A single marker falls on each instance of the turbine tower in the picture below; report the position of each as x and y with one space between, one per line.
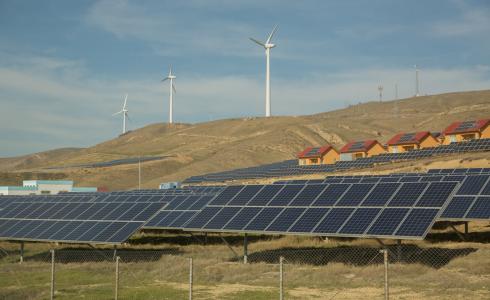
417 92
171 77
267 46
124 111
380 89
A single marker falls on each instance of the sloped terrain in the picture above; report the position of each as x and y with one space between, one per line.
234 143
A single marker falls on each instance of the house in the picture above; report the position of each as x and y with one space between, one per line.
44 187
318 155
467 130
404 142
360 149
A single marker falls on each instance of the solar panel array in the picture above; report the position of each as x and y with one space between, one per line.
407 137
291 167
109 218
466 125
75 222
381 210
312 151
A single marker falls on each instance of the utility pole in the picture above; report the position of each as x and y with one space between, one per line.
139 173
380 89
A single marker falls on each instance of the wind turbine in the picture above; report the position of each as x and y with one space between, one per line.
124 111
171 77
267 46
417 92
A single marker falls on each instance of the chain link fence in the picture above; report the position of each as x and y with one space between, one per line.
172 266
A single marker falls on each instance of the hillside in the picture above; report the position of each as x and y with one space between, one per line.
233 143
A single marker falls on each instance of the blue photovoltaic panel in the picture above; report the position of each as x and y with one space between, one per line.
480 209
242 218
203 217
307 195
388 221
355 195
265 195
245 195
408 194
226 195
417 222
472 185
285 219
331 194
334 220
286 195
380 195
436 194
360 220
222 217
486 189
263 219
309 220
457 207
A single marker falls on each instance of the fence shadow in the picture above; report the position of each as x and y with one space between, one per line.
84 255
361 256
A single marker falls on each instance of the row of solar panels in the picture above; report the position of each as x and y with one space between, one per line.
291 168
381 209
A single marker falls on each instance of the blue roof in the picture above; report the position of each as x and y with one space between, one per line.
57 182
18 188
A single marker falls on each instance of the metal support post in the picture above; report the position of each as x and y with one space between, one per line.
191 270
114 254
385 256
466 228
21 259
205 238
52 274
116 288
399 251
281 278
245 248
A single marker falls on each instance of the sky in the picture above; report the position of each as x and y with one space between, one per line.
66 65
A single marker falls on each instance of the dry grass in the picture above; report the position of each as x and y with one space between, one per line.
234 143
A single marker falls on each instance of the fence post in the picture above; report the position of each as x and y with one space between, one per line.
21 259
245 249
385 256
116 289
190 278
52 274
281 278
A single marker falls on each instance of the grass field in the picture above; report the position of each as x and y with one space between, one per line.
156 266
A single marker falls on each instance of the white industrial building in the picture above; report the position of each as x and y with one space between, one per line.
44 187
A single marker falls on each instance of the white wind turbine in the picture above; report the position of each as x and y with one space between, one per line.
124 111
268 46
171 77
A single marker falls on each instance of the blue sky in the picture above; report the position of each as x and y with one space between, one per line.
66 65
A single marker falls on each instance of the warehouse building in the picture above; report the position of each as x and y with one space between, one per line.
44 187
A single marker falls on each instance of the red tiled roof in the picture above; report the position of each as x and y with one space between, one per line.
478 126
315 152
408 138
359 146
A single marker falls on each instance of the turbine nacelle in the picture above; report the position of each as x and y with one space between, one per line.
269 46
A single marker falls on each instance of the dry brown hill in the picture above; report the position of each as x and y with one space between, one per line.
233 143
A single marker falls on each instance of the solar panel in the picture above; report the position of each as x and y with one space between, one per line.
387 210
313 151
100 222
407 137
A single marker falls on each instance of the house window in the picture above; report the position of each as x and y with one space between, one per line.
453 139
394 149
358 155
408 148
468 137
314 160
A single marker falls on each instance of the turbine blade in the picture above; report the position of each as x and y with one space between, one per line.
170 70
119 112
129 119
173 87
270 35
258 42
165 79
125 100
